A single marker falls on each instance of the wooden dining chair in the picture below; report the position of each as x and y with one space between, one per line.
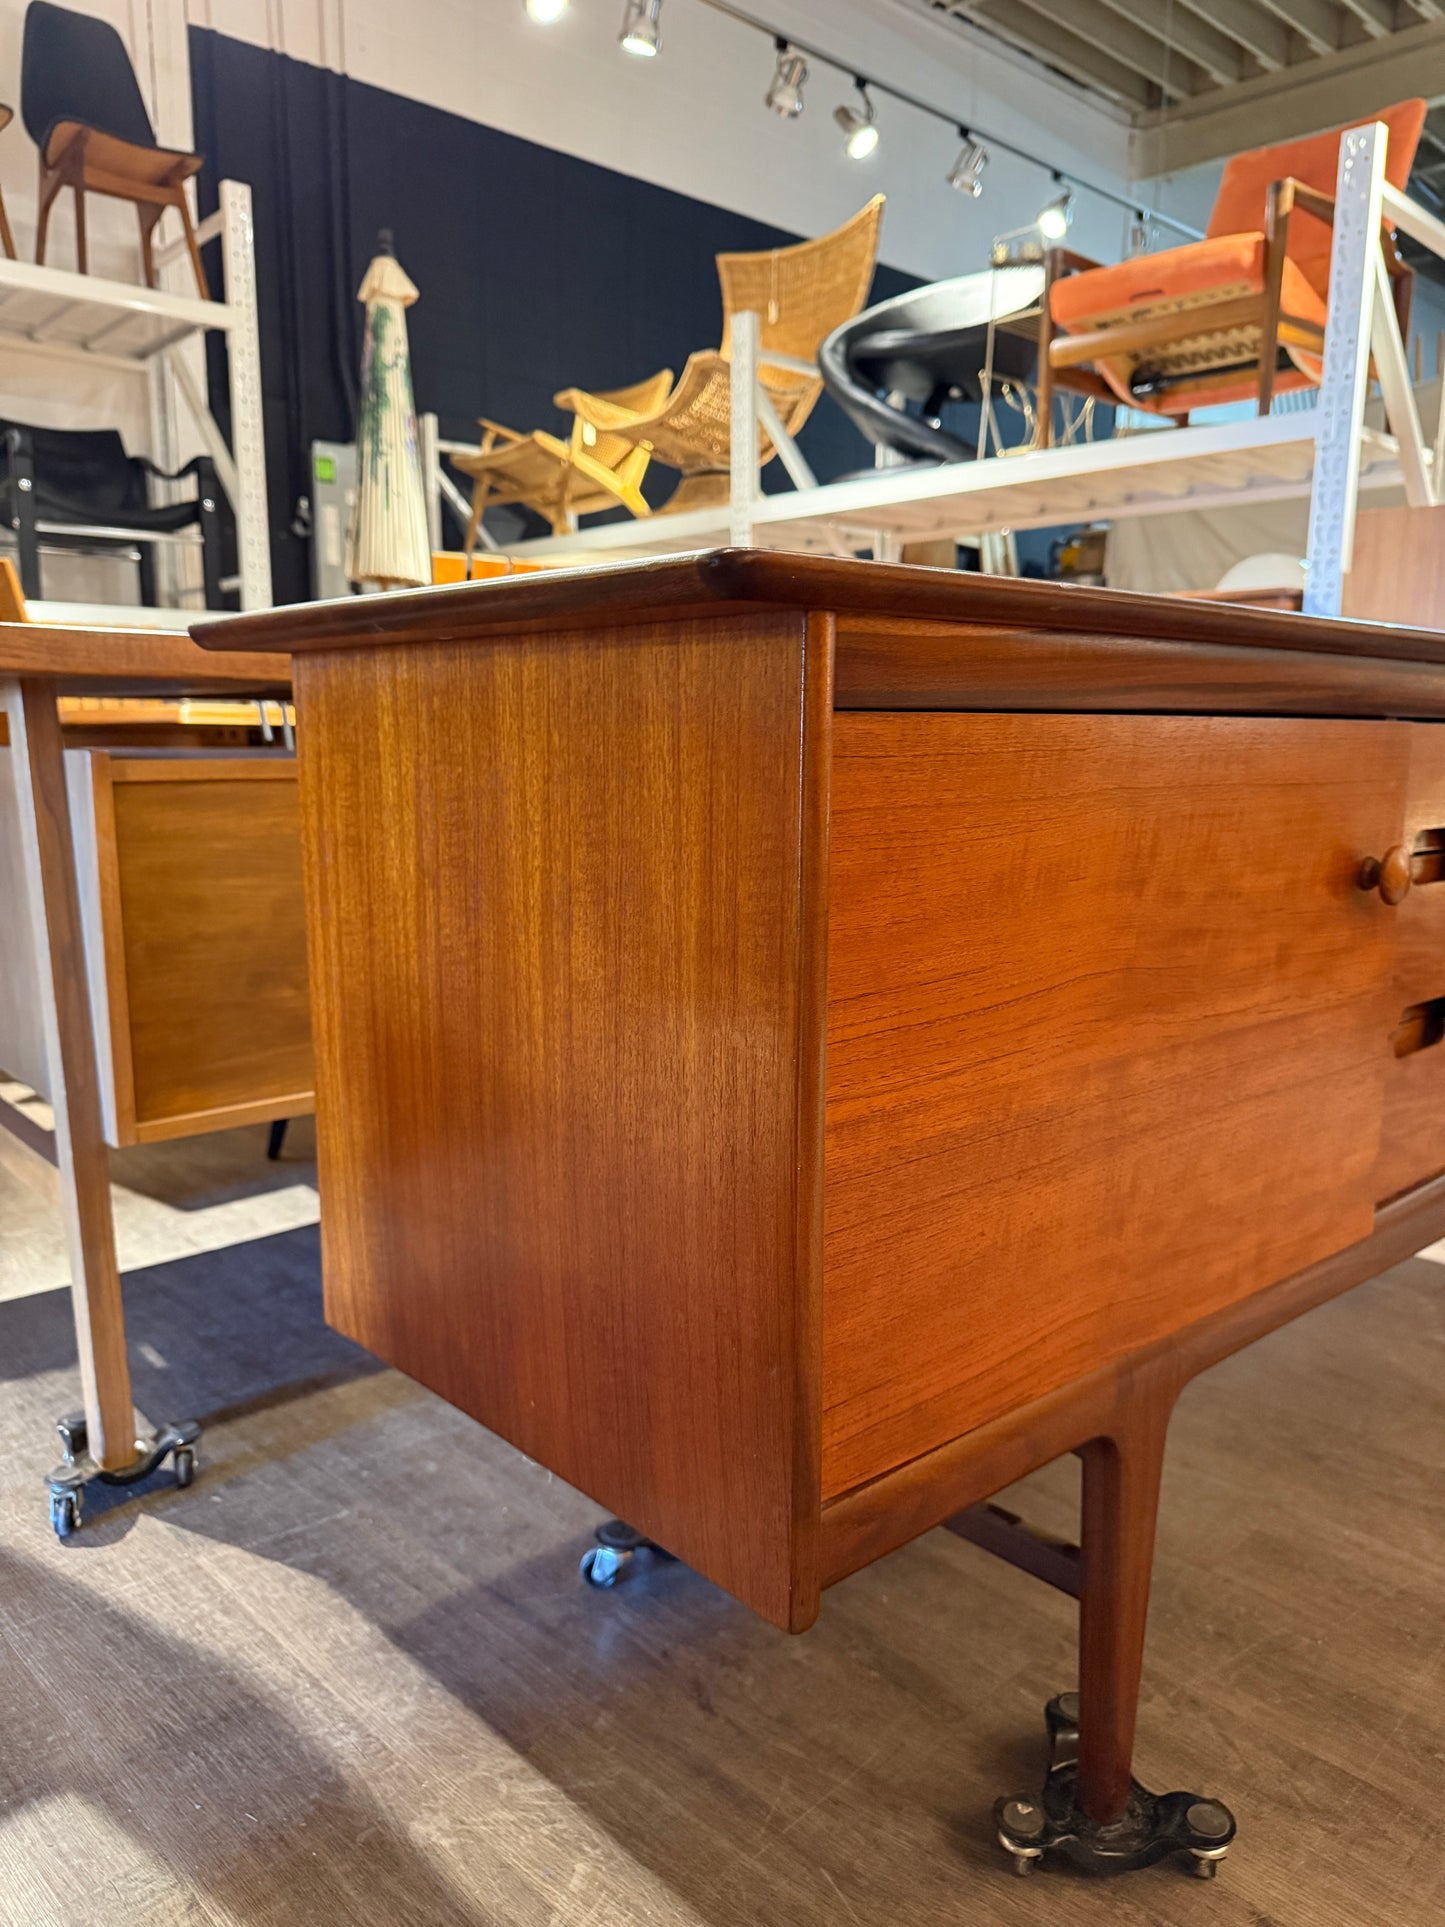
82 107
800 295
1238 316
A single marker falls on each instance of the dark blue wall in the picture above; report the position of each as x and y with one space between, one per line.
536 271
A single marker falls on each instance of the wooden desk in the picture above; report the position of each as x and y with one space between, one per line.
802 1044
55 988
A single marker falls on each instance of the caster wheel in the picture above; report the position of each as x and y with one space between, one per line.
602 1566
185 1464
64 1513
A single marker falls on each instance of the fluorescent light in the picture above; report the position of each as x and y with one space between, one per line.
859 125
785 96
1055 215
641 34
966 176
545 12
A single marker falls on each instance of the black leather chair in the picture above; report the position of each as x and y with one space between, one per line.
927 348
77 488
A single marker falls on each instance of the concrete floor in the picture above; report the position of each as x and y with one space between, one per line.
351 1676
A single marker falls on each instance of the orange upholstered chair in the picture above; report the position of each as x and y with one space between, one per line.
1238 316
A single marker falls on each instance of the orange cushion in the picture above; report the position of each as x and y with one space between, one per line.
1196 275
1239 204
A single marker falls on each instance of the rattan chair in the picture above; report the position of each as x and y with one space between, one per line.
593 470
800 295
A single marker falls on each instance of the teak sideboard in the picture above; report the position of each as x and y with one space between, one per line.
801 1044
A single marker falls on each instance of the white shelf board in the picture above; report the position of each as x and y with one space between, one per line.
85 313
1155 472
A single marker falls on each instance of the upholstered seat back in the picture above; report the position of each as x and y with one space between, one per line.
1315 160
74 67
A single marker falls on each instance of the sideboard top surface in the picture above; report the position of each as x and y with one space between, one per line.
619 592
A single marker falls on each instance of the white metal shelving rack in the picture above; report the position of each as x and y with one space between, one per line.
1326 454
120 325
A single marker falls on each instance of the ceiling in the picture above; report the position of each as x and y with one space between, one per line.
1198 79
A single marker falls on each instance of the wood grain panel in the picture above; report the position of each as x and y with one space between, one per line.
1397 574
1104 1019
207 884
566 901
1412 1141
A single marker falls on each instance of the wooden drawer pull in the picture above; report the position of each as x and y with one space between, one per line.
1390 874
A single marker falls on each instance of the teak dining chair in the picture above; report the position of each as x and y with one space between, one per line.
1238 316
594 469
800 295
82 107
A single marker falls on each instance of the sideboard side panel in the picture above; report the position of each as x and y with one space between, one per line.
564 897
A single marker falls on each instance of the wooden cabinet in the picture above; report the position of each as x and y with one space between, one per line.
189 872
800 1044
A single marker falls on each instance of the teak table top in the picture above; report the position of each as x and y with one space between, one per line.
111 658
576 598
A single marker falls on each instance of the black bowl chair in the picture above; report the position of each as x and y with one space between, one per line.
82 107
76 488
930 347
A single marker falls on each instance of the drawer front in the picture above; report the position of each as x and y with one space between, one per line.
1104 1023
1412 1142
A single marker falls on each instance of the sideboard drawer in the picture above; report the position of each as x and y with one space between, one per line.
1412 1142
1105 1014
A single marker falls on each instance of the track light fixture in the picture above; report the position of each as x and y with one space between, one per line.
859 125
966 176
785 96
1056 214
641 30
545 12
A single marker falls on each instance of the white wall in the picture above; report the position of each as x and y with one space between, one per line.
692 120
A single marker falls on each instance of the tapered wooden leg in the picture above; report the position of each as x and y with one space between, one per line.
7 238
35 744
1121 1506
49 188
82 255
148 216
193 246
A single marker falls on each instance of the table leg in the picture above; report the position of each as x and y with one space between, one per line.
101 1443
1092 1810
35 743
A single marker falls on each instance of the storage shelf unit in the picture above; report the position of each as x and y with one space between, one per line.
1141 474
120 323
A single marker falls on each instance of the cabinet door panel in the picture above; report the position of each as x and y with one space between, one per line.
1105 1011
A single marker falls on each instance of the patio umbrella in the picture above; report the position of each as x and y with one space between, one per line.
389 543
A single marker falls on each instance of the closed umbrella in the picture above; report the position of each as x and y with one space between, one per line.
389 543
